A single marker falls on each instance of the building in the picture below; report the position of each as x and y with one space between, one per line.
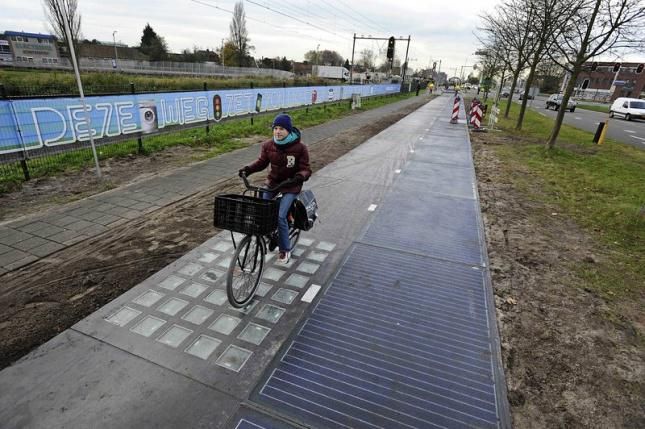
31 47
611 80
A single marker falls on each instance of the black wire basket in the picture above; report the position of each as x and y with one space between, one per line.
245 214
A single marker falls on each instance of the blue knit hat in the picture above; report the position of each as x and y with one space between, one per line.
283 120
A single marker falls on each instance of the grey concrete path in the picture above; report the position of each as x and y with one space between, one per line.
25 240
171 353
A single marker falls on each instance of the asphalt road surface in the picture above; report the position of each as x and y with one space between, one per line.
629 132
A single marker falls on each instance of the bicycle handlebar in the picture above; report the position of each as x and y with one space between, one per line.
250 187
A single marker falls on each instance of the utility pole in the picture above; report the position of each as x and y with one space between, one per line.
351 66
116 56
222 52
405 64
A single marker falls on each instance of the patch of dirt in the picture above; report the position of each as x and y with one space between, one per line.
47 297
572 359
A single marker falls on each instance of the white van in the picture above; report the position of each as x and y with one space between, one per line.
628 108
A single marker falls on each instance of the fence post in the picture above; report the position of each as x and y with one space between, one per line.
139 140
252 114
23 161
207 127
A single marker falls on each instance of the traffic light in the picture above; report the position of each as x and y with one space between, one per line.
639 69
616 67
594 66
390 48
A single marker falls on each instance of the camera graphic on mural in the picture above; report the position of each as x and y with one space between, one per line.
148 116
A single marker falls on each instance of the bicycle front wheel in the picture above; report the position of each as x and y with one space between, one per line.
245 271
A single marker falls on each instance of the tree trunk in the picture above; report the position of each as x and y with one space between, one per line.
529 82
516 75
550 144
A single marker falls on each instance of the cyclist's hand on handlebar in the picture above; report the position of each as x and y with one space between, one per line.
242 172
298 179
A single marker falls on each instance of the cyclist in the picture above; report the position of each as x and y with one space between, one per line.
289 160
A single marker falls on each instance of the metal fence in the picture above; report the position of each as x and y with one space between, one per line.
155 68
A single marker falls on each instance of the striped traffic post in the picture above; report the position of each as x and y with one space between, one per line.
455 110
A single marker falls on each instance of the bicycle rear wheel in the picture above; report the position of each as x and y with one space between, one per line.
245 271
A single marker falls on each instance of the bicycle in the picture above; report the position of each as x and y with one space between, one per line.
257 219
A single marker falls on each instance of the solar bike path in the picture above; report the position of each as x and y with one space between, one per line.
172 353
405 335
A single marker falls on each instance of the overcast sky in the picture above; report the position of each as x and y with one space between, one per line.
438 30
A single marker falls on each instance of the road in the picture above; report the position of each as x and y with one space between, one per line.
629 132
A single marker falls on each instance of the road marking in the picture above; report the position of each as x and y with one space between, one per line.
371 208
542 114
311 293
577 118
397 171
636 137
630 131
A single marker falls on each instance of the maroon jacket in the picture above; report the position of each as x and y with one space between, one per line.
286 161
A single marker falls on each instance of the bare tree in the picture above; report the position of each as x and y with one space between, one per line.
239 37
553 18
60 11
366 59
510 28
599 26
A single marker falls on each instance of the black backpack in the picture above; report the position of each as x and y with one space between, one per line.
305 210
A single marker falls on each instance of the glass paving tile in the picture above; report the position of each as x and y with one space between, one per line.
305 242
217 297
203 346
198 315
253 333
124 316
298 251
213 276
269 256
171 282
194 290
234 358
148 326
263 288
190 269
308 268
297 281
172 306
149 298
270 313
284 296
174 336
317 256
245 310
223 246
273 274
208 257
225 324
224 262
323 245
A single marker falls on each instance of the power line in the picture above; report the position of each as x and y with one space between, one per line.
204 3
378 26
294 18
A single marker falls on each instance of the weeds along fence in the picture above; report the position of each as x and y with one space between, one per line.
48 135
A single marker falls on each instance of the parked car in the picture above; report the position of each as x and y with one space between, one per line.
528 97
555 101
628 108
505 93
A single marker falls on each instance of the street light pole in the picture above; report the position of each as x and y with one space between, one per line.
116 56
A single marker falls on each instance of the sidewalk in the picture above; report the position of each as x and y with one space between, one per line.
384 318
